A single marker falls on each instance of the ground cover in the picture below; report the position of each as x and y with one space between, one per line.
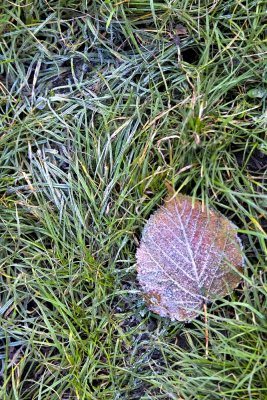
104 105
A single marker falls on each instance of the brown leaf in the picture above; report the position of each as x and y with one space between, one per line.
186 258
180 30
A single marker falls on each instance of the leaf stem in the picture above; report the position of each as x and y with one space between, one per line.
206 330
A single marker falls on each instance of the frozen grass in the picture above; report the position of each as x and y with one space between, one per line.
102 103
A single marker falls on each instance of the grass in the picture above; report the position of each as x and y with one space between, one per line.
102 104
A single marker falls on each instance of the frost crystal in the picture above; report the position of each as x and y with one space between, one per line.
187 257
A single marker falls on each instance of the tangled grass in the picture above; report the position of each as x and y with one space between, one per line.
103 103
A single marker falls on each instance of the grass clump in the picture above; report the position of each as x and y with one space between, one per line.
101 104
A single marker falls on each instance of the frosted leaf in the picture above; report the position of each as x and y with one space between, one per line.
187 257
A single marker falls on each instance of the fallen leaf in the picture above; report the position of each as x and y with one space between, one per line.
187 257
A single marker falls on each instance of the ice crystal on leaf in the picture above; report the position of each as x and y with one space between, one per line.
187 257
